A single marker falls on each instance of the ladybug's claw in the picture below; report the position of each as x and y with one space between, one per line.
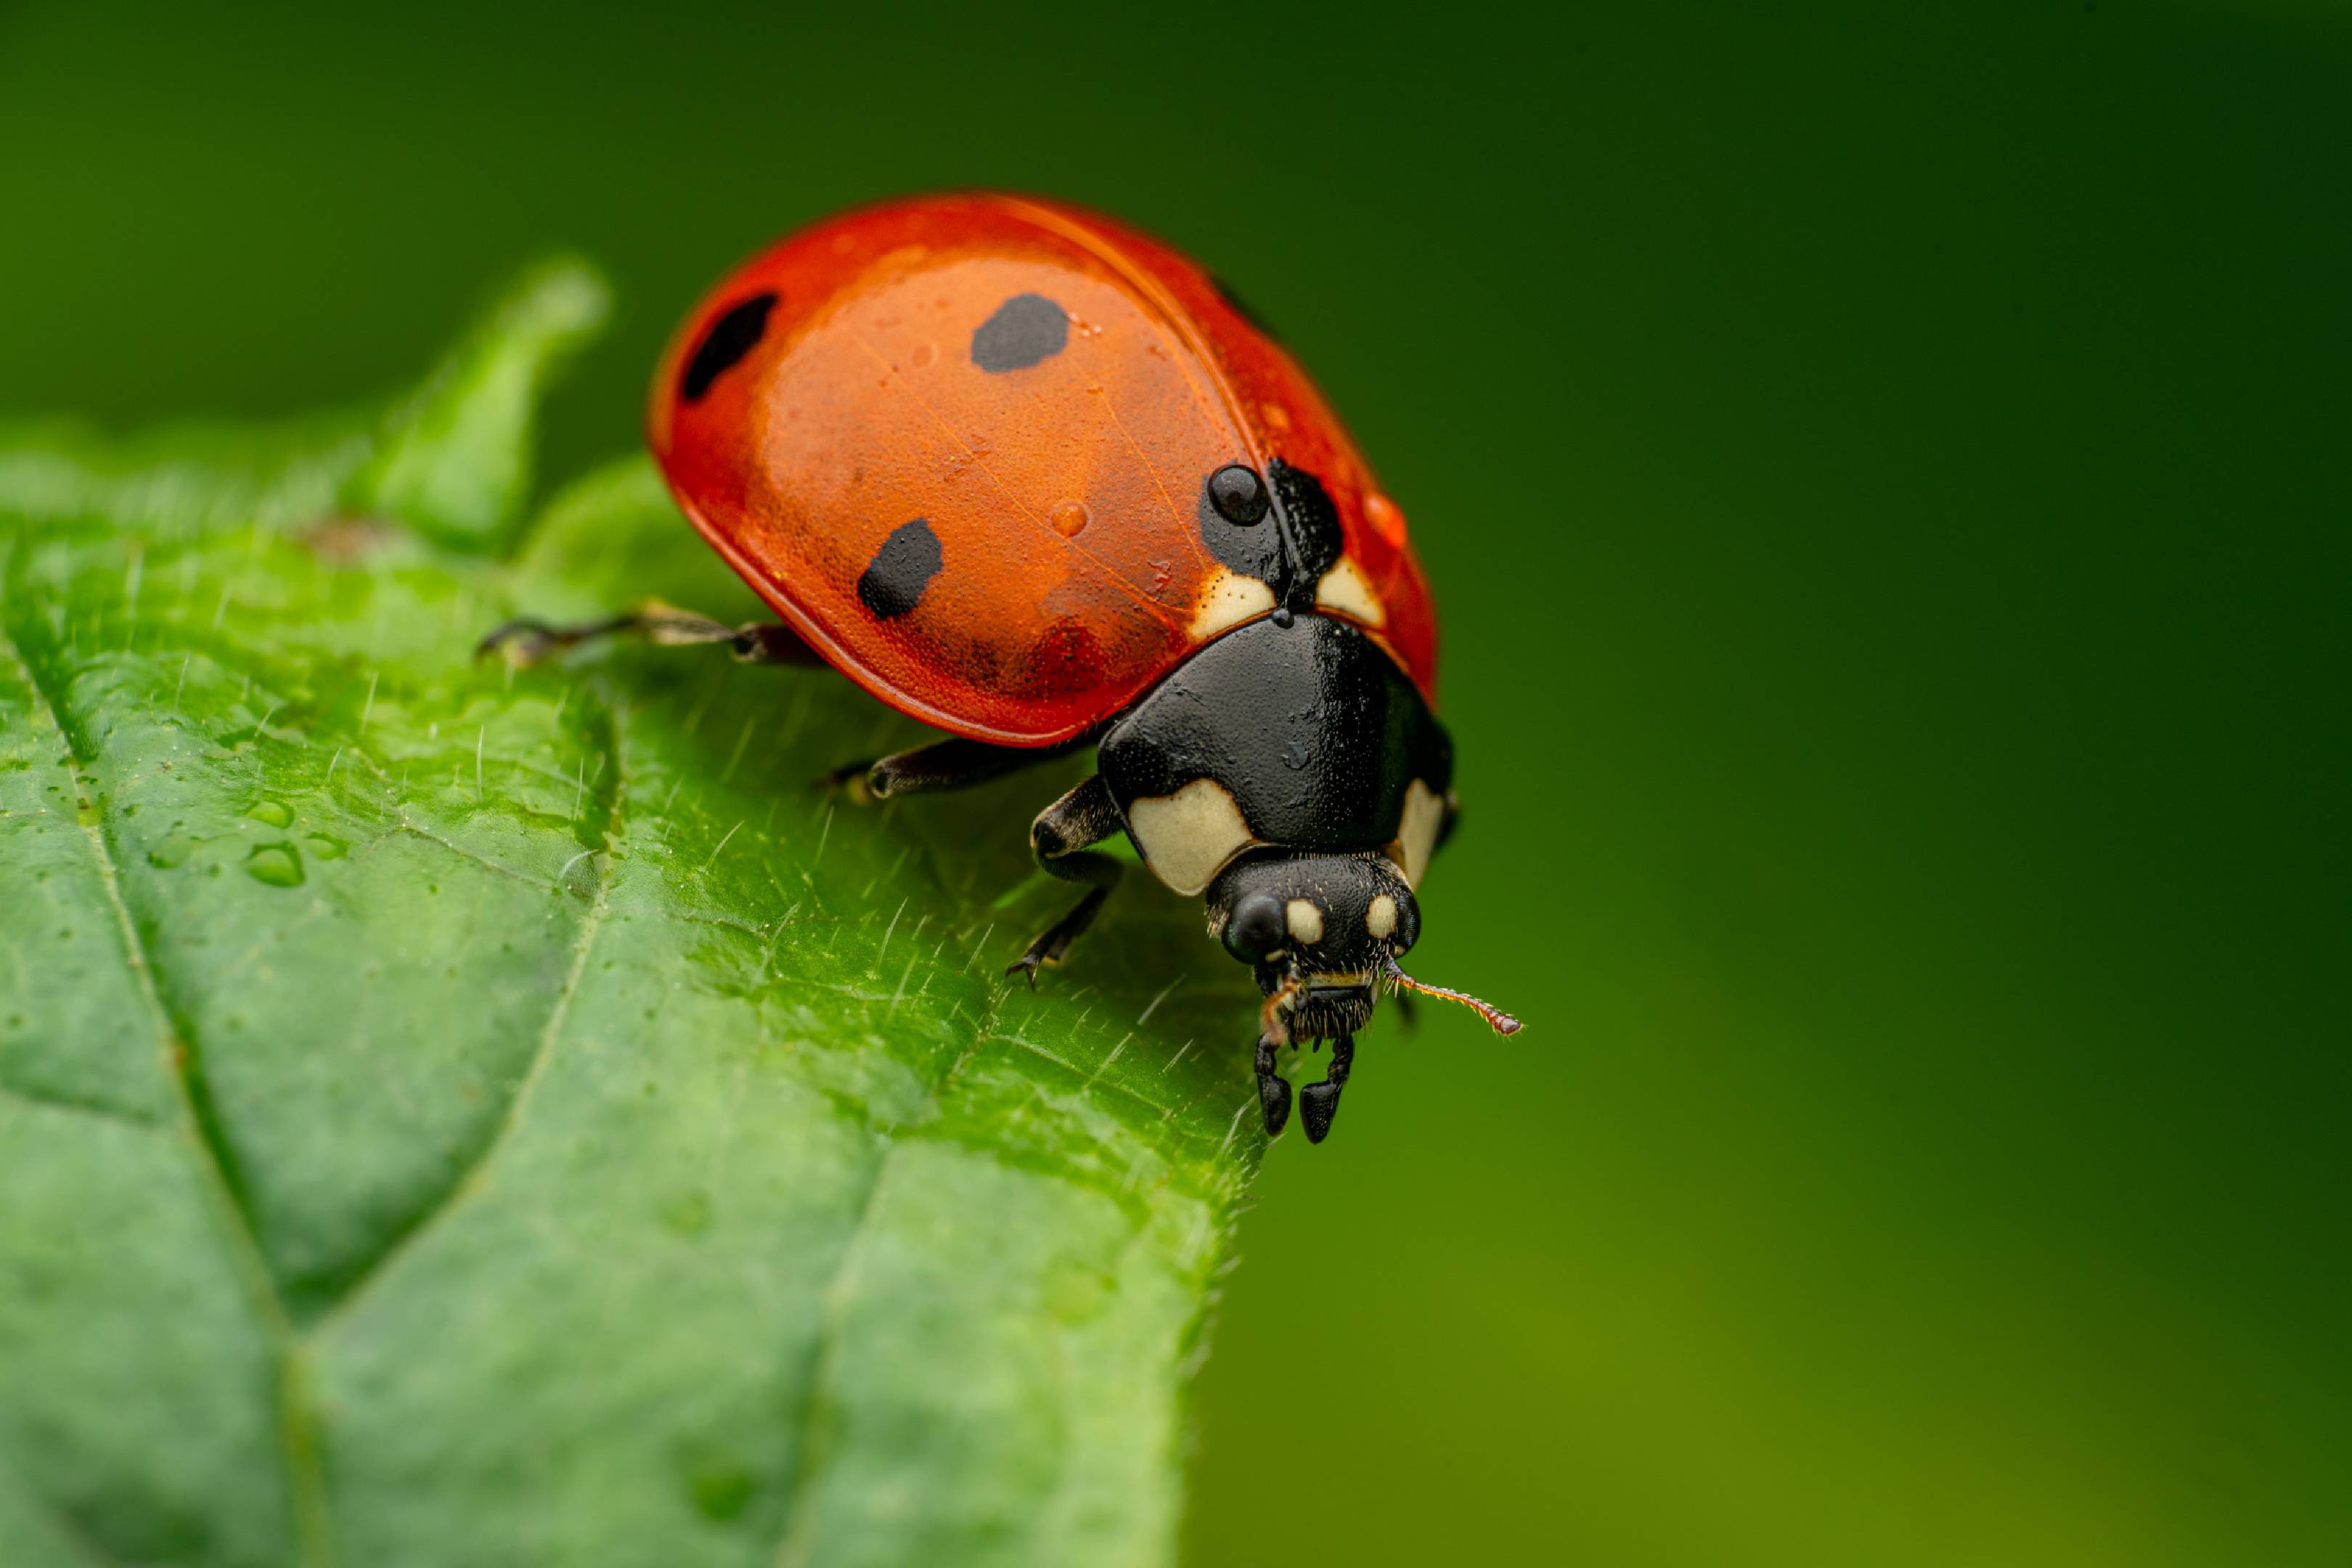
1055 945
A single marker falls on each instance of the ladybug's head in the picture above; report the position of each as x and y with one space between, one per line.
1321 932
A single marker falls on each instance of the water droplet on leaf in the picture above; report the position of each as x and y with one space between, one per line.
171 851
278 865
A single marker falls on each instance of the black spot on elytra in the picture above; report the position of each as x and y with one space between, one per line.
1242 308
726 341
1289 557
1026 330
894 581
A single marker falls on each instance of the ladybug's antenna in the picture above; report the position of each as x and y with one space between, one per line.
1502 1023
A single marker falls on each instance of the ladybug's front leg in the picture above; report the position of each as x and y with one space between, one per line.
526 640
1272 1088
1318 1103
1059 838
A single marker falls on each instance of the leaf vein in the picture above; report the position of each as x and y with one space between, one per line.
799 1540
473 1178
69 1106
215 1164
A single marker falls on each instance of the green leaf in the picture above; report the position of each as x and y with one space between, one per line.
456 1117
454 460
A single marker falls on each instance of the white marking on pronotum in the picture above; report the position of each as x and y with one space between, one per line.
1424 813
1228 601
1305 921
1153 1006
1379 916
1343 589
1189 837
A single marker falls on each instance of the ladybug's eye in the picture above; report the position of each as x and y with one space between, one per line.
1256 928
1238 494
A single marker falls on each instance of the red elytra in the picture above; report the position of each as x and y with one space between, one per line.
839 387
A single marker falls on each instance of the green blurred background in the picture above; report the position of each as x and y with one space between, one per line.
1886 482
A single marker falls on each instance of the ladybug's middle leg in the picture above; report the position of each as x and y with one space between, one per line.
1059 840
526 640
954 763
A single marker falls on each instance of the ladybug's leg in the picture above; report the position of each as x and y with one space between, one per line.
955 763
526 639
1059 838
1272 1088
1318 1103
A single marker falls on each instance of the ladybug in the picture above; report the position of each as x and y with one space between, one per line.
1034 479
